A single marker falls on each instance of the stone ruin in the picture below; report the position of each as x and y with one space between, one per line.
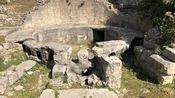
160 67
52 49
47 33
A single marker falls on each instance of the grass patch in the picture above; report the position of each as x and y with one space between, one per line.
31 83
136 87
16 59
77 46
2 39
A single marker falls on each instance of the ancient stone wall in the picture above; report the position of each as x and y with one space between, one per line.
65 35
69 12
84 12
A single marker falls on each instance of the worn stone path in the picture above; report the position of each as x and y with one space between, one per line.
87 93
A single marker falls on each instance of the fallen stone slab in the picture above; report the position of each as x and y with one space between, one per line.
14 73
86 93
48 93
161 65
24 66
169 53
115 47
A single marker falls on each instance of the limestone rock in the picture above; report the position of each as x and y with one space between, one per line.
3 97
92 93
173 45
58 83
168 79
24 66
12 77
48 93
83 61
161 65
18 88
94 81
83 55
3 84
110 71
152 38
50 53
59 71
1 47
3 9
169 53
115 47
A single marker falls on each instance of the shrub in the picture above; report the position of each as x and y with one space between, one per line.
162 13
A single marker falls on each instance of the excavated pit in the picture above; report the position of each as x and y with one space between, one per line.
52 47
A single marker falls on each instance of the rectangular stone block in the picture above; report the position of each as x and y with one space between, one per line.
169 53
165 79
58 71
110 69
161 65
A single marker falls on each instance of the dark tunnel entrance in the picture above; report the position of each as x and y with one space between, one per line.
50 60
39 55
137 41
98 35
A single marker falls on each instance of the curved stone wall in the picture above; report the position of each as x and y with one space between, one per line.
85 12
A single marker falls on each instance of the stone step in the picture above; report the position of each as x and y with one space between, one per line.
161 65
86 93
169 53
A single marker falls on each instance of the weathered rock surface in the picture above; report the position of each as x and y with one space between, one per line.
88 93
48 93
156 66
3 84
74 13
110 70
14 73
152 38
59 71
50 53
126 3
169 53
115 47
161 65
83 62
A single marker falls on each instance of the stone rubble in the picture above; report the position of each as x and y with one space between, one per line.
14 73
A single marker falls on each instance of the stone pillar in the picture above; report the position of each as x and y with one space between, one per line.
110 70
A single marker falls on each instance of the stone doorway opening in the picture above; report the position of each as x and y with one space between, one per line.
39 55
98 35
50 60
